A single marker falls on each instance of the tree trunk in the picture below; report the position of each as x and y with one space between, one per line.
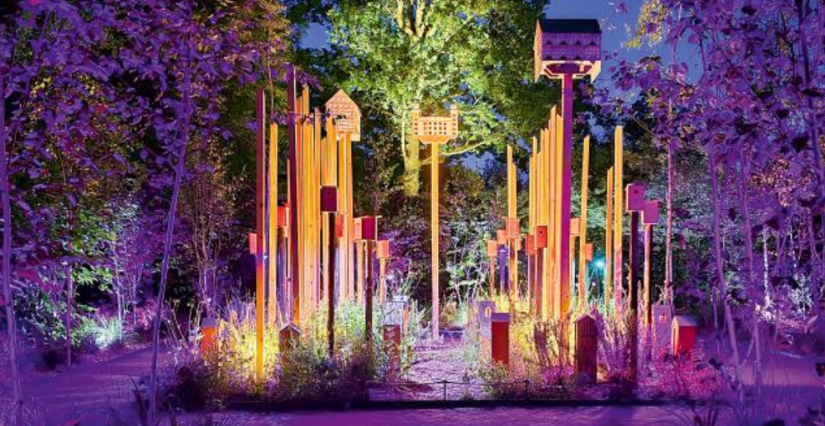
167 247
720 267
68 318
669 236
412 166
8 299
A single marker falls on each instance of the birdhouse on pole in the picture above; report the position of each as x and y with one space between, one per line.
346 113
573 44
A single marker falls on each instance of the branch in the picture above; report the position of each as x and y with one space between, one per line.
459 151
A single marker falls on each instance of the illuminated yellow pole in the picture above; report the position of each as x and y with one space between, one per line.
512 214
260 204
583 230
562 242
272 303
344 210
618 210
434 227
608 244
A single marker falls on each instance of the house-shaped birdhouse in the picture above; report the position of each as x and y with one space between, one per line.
435 129
635 197
288 337
683 335
650 215
567 45
346 114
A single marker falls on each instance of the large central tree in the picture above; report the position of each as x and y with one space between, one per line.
476 53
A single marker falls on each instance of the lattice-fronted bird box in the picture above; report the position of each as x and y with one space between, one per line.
366 228
435 129
346 113
329 199
382 250
575 226
650 215
635 196
567 45
492 248
283 216
541 237
683 335
512 228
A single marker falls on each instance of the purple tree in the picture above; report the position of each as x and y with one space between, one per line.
181 57
46 59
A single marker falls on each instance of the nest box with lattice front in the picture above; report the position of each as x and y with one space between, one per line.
567 46
346 114
435 129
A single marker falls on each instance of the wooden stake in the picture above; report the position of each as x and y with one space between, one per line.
272 234
618 211
434 237
608 244
583 226
260 212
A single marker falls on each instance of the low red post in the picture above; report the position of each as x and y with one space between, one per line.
209 327
683 335
587 348
501 337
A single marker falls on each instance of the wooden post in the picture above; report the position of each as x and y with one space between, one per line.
331 284
382 253
272 234
500 343
512 214
492 253
368 295
587 349
583 226
260 212
618 212
608 245
650 217
294 260
635 205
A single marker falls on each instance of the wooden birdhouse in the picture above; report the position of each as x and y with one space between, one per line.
329 199
253 243
492 248
575 226
288 338
683 335
588 252
530 243
501 237
541 237
366 228
662 316
346 114
650 215
484 316
382 250
500 344
512 228
435 129
635 197
340 219
567 45
283 216
587 348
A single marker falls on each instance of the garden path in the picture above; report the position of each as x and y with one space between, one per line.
90 392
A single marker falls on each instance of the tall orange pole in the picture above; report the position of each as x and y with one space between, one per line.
294 208
618 212
434 228
513 214
608 244
260 212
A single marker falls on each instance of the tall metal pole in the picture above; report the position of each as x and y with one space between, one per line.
434 237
